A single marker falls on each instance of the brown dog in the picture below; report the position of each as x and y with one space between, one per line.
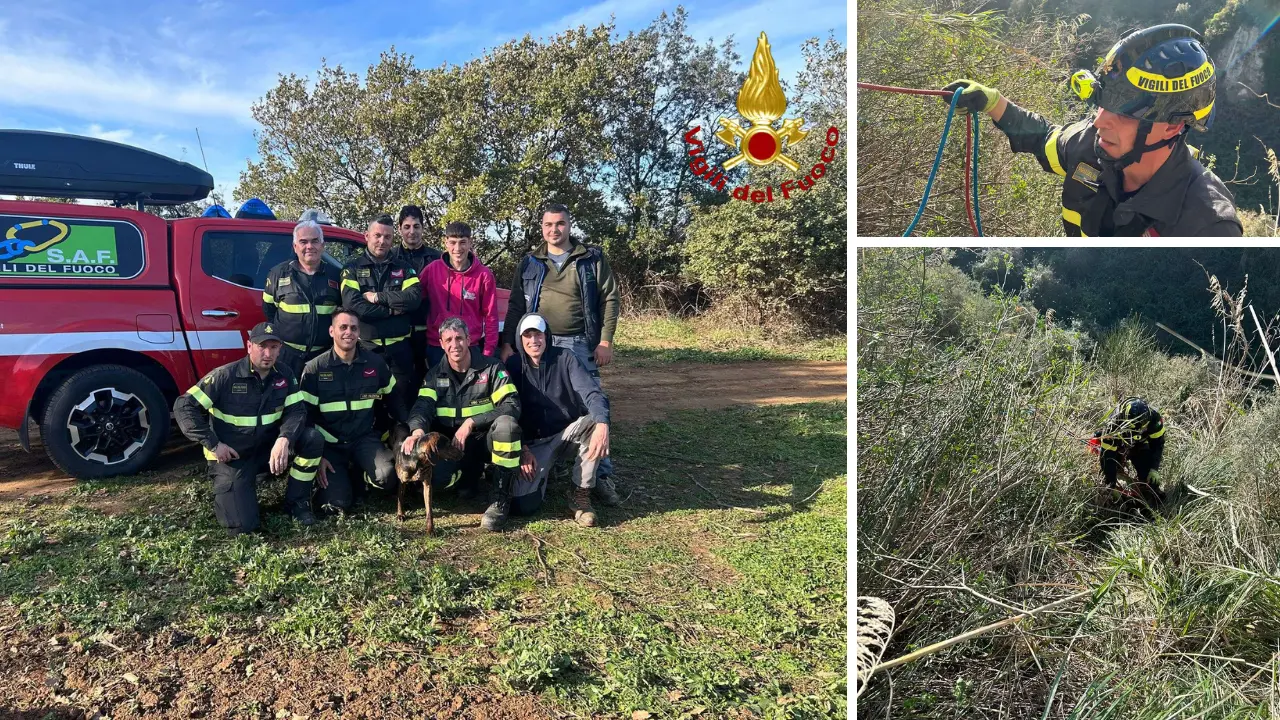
418 466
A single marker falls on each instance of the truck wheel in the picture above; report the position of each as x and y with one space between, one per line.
105 420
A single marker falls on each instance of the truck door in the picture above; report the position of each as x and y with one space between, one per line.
229 262
229 267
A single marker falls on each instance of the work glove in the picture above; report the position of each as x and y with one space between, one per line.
974 96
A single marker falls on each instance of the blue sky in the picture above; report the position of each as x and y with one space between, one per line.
150 73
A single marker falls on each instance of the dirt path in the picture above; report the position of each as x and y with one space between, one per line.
637 395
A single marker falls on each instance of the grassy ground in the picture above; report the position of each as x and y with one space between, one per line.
720 583
665 339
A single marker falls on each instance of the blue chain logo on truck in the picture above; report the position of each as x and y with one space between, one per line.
15 247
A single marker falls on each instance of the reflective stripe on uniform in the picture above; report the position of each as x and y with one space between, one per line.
348 282
1157 433
1072 217
409 282
205 401
325 434
386 389
306 462
345 405
502 392
505 462
308 397
428 393
1109 447
1051 153
294 397
500 446
390 341
446 412
208 454
244 420
303 475
296 346
307 308
266 298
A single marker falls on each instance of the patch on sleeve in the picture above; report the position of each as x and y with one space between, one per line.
1086 175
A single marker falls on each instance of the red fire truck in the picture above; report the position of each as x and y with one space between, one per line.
107 313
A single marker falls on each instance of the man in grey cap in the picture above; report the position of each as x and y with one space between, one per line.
249 417
563 410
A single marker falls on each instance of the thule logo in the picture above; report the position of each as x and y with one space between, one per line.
24 166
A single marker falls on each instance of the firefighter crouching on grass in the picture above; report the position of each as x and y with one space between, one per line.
1134 431
345 388
470 398
248 415
299 297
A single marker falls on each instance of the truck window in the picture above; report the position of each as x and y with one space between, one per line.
244 258
339 252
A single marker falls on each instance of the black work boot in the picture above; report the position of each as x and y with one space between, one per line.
302 513
499 500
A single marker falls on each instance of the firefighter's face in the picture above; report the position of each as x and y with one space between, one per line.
308 246
411 232
263 357
345 331
458 247
379 238
454 344
1118 134
555 228
535 343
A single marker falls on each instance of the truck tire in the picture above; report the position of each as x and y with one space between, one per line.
105 420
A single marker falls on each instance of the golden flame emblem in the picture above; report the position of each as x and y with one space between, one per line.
762 102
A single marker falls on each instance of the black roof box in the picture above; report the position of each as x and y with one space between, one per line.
49 164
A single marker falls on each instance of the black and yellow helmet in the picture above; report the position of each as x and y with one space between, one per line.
1160 74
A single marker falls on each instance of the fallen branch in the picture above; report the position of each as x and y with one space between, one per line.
938 646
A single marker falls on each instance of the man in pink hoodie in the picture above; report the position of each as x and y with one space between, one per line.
459 285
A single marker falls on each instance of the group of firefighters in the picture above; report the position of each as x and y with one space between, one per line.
407 338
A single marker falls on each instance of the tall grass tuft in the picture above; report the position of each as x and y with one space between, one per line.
977 499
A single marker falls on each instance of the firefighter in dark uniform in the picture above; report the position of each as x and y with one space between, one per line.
300 297
346 388
416 254
249 417
1134 431
1128 170
384 293
470 398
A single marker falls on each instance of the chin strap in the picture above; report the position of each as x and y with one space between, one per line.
1144 129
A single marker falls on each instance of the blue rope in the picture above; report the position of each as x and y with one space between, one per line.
937 160
977 213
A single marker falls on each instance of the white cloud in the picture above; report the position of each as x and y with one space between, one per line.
121 136
60 84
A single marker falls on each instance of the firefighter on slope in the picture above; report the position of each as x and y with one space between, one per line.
300 296
346 389
1134 431
385 293
249 417
1128 169
469 397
